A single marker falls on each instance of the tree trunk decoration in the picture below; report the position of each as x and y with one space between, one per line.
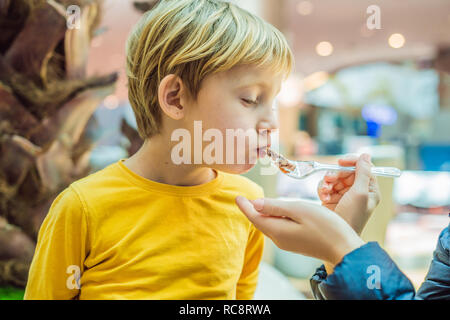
46 104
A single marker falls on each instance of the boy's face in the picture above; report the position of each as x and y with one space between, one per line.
241 98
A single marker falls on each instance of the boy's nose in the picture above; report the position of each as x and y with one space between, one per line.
268 124
269 120
264 130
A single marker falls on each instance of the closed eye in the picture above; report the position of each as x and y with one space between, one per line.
250 101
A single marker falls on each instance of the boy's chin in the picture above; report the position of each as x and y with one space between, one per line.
235 168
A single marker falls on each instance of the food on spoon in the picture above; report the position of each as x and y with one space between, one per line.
283 164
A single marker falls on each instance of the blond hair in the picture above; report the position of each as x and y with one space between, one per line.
193 39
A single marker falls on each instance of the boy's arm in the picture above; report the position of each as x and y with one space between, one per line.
58 261
253 254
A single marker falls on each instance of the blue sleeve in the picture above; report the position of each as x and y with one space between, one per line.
437 281
368 273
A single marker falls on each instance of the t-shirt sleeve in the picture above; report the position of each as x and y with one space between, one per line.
62 246
253 254
249 277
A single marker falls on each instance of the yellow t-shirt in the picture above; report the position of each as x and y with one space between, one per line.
117 235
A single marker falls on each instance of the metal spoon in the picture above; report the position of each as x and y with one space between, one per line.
302 169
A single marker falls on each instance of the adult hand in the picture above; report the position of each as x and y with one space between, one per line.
302 227
352 195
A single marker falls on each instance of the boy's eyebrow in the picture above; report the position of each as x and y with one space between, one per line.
254 84
261 84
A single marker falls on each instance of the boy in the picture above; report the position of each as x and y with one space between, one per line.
149 227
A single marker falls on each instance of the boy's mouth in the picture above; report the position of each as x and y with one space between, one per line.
262 151
265 144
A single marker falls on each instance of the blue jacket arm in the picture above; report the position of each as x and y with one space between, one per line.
437 281
368 273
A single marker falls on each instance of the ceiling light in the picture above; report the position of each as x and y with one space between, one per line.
111 102
324 48
396 40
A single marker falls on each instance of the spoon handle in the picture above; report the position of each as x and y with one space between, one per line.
378 171
386 171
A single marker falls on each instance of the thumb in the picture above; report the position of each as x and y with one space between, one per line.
266 224
363 174
270 207
280 208
254 216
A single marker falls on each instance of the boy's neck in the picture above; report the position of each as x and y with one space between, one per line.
153 161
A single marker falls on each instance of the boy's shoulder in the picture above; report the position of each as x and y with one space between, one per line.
73 200
243 185
101 178
96 187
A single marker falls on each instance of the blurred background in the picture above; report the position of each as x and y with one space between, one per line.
370 76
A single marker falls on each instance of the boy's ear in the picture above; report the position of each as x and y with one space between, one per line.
171 96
